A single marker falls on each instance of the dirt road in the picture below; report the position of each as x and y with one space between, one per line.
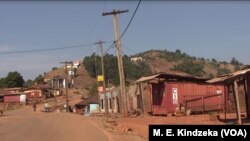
26 125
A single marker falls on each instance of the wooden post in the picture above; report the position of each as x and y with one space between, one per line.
247 97
119 59
203 105
225 100
66 84
106 108
236 93
142 98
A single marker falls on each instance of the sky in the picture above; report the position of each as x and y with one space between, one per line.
207 29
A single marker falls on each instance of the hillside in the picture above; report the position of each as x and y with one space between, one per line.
82 80
153 61
166 61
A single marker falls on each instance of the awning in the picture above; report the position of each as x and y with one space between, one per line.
142 79
229 77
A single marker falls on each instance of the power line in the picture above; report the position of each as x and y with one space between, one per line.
92 29
126 26
131 50
77 46
131 19
48 49
112 45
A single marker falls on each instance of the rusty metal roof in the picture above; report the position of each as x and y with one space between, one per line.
3 92
171 76
90 100
229 77
142 79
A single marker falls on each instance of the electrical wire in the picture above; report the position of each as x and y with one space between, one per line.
131 50
130 21
48 49
77 46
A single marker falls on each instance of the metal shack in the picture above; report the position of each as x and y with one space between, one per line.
237 85
12 98
163 92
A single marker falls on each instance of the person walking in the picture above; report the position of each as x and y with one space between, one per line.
34 107
1 112
46 106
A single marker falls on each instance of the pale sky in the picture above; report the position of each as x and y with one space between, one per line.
208 29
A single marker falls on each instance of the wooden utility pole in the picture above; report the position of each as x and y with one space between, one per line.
236 93
103 74
66 84
119 58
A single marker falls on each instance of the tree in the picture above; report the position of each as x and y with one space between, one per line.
28 83
223 71
2 83
14 79
39 79
214 60
190 67
132 70
54 68
90 63
234 61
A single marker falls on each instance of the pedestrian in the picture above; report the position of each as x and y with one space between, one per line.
34 107
1 112
46 106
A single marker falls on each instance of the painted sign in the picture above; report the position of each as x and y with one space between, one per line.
100 78
23 98
175 95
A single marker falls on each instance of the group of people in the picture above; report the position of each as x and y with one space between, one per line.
46 106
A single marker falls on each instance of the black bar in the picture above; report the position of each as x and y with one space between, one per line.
199 132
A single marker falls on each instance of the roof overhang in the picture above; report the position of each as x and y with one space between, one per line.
171 76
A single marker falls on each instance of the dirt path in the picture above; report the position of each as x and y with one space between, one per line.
26 125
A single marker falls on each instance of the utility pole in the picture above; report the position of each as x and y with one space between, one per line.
119 58
66 84
103 74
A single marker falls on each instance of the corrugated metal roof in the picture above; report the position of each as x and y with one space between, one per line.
3 92
142 79
171 76
229 76
89 100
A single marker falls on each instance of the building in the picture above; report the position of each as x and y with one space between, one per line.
37 93
14 95
112 100
238 87
136 59
161 93
2 94
88 106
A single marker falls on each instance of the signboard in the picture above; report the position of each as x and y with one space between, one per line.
175 95
23 98
100 78
218 92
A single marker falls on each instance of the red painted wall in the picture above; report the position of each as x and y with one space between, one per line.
166 96
11 98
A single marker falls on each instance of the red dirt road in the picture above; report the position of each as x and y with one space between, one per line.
26 125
